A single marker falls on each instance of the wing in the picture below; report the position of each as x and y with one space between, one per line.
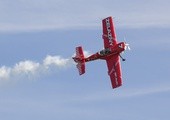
114 71
109 34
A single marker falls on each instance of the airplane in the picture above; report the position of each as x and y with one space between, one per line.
110 53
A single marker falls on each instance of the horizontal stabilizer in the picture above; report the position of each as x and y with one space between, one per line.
80 60
81 68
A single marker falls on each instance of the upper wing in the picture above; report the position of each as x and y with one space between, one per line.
109 34
114 71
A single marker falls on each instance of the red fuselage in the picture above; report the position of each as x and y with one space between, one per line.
107 53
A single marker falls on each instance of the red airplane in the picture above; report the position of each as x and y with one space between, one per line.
111 54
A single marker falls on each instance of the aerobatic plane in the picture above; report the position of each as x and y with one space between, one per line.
110 53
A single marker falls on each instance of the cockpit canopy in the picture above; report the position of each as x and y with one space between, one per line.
105 52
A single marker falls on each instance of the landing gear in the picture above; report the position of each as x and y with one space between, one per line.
123 59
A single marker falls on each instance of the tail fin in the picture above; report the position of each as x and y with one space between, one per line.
80 60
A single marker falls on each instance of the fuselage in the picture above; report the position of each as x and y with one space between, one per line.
107 53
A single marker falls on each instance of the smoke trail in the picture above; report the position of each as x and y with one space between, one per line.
30 68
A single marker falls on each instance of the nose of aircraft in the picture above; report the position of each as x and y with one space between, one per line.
127 46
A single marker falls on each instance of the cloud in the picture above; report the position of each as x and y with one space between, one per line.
28 68
123 93
145 91
31 15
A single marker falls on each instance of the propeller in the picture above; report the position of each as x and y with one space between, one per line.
127 47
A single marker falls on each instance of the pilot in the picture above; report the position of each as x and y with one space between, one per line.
105 51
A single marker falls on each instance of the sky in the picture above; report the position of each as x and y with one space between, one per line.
39 80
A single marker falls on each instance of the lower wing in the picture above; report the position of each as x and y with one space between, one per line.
114 71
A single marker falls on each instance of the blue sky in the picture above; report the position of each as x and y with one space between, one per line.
38 38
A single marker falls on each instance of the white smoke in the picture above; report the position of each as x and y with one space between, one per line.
30 68
87 53
55 60
4 72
